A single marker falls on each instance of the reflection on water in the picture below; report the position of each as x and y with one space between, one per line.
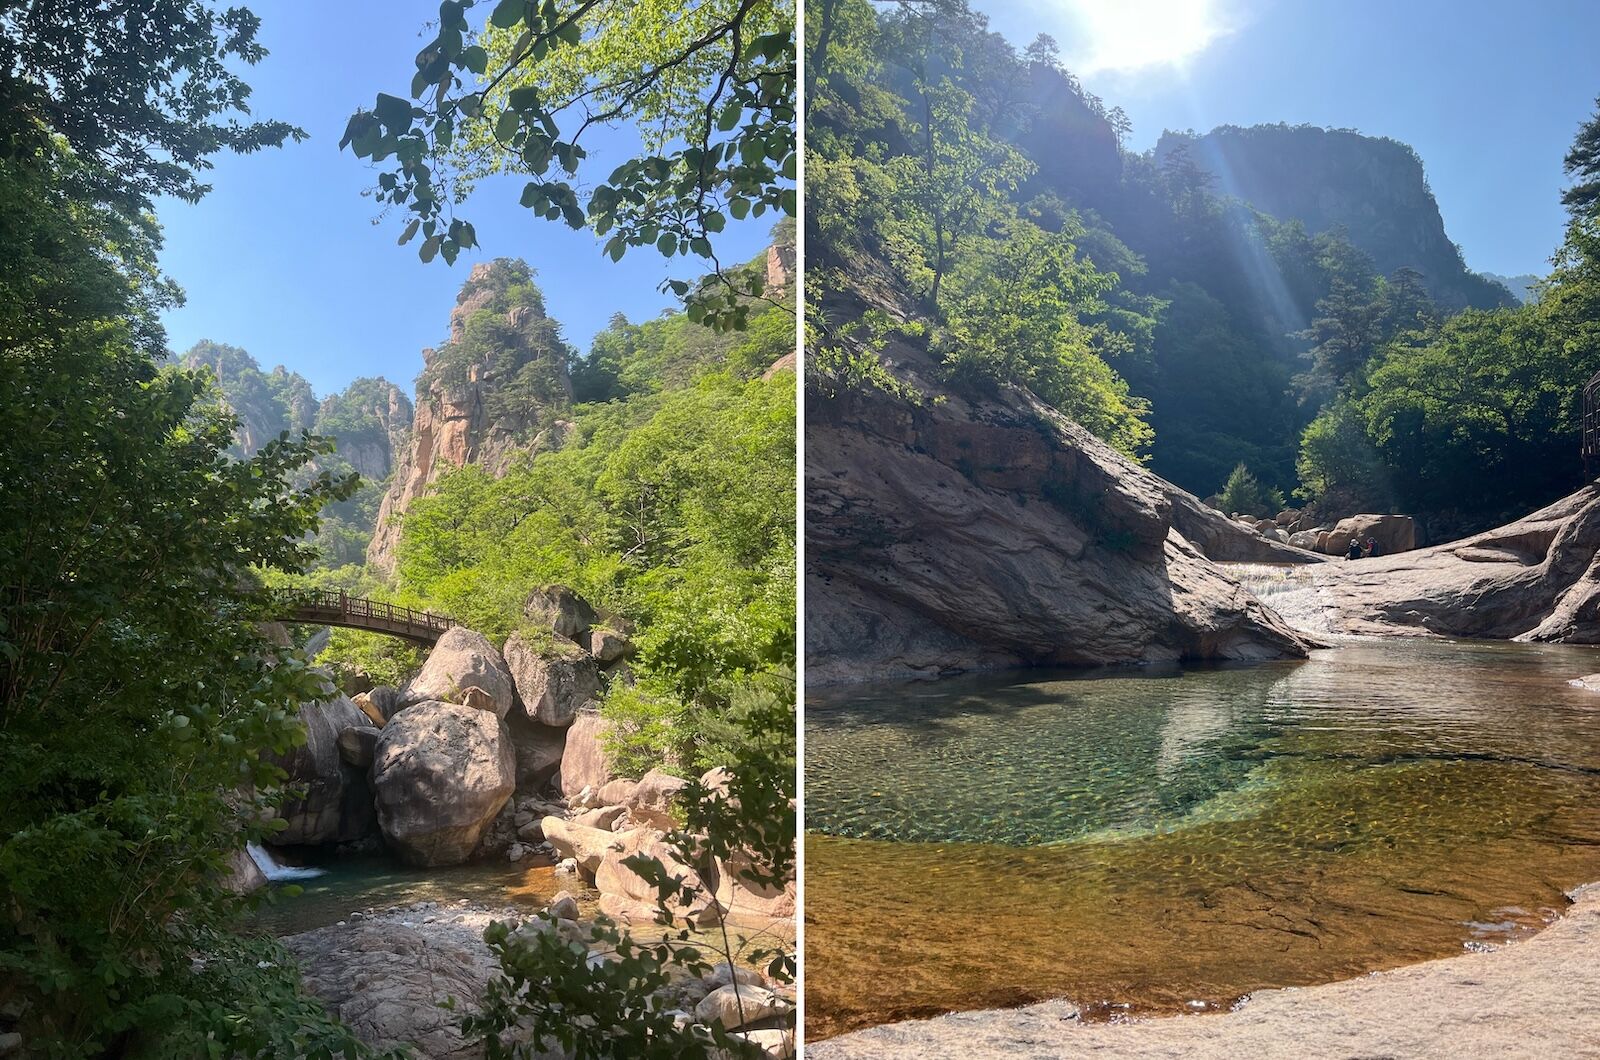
347 884
1162 837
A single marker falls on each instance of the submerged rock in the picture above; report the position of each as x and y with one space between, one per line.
442 773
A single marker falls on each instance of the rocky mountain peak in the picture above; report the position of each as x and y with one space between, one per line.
497 387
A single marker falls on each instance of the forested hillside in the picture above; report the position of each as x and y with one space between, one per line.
655 475
1270 297
370 422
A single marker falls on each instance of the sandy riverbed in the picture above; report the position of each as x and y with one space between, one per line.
1538 998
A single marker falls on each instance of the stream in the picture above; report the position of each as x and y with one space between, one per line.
1168 839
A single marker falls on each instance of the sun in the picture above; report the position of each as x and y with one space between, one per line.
1129 35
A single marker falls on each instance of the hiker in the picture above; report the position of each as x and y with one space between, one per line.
1370 549
1354 551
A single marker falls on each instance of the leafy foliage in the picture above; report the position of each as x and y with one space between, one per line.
106 77
1243 493
140 707
712 85
749 828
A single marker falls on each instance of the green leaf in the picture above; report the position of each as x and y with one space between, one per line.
508 13
394 112
410 230
476 60
667 244
430 247
506 126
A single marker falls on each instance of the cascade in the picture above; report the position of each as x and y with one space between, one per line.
275 871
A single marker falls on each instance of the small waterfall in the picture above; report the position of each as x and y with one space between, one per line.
1290 590
275 872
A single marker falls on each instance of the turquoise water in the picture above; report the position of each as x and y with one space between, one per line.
1043 757
361 882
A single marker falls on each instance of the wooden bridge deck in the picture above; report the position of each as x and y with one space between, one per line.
325 607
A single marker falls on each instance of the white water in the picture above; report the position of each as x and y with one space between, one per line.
1290 590
275 872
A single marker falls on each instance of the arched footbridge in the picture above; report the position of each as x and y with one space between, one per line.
327 607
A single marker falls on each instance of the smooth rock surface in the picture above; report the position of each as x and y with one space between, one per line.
442 773
584 763
462 659
1536 579
965 534
587 846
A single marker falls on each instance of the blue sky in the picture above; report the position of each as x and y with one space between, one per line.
1489 94
282 258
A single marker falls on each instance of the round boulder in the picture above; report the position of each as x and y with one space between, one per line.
442 773
463 659
556 680
584 762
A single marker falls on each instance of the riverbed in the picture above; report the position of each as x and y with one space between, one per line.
1167 840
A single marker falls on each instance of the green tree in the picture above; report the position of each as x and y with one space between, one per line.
1582 164
711 90
1243 493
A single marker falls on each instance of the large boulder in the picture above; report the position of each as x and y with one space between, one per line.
626 895
607 645
560 610
585 845
554 677
1393 533
749 903
336 803
462 659
970 532
651 799
357 744
378 704
441 772
585 763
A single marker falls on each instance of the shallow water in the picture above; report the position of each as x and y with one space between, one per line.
351 883
1169 840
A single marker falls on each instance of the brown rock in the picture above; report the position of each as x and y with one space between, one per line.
1393 533
584 763
585 845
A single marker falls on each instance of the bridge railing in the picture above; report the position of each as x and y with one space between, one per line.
336 603
1591 425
